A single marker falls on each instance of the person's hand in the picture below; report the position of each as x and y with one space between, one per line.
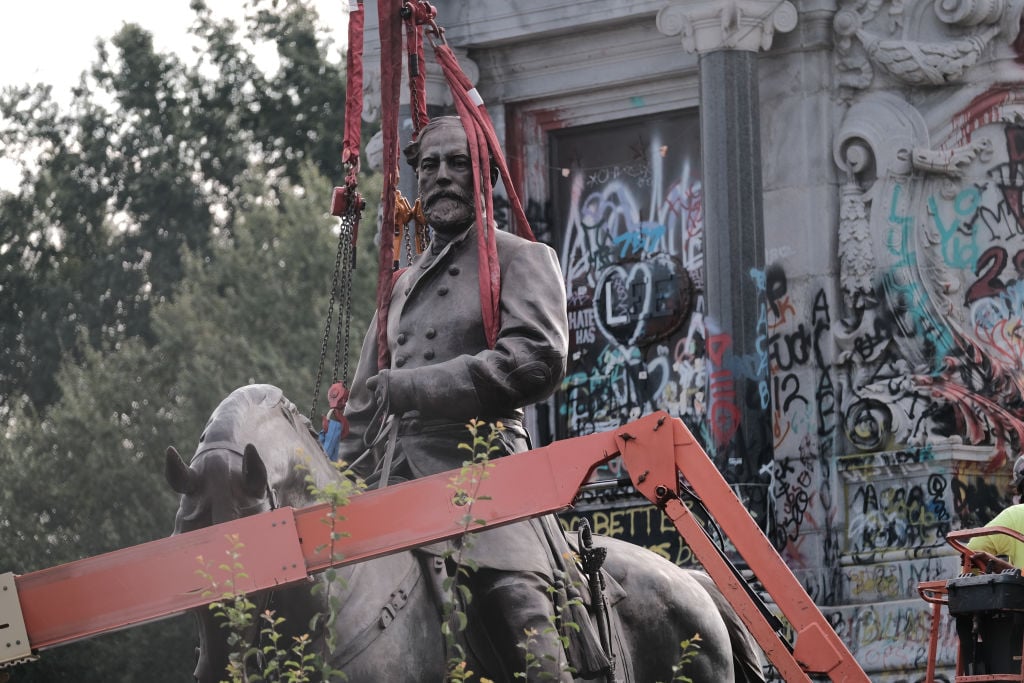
987 563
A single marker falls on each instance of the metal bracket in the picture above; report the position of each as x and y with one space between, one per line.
14 645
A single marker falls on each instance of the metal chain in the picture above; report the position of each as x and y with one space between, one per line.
344 310
409 234
330 316
348 305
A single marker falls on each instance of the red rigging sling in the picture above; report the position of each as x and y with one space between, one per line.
415 16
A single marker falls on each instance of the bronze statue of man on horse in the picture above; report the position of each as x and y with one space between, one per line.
475 329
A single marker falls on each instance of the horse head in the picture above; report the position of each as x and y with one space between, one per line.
222 484
256 453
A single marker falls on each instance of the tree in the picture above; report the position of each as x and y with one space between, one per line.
150 157
88 477
167 244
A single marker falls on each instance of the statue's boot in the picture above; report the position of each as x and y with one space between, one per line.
518 614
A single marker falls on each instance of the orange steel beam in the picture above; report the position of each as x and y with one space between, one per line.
149 581
162 578
818 649
426 510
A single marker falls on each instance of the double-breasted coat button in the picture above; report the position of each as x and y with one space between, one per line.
428 354
400 361
454 270
402 338
441 291
430 333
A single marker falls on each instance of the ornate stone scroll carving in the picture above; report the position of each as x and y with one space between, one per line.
878 36
969 12
951 162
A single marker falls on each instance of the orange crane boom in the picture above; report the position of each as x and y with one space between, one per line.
162 578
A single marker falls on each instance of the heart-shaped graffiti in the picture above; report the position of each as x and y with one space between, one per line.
637 303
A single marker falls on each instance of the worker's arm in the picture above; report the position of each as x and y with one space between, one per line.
989 548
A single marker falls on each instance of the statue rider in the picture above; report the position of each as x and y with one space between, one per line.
443 372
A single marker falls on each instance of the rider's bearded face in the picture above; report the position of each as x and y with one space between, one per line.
445 179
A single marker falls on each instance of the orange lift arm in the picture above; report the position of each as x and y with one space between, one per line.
162 578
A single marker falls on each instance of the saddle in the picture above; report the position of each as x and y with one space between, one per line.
572 596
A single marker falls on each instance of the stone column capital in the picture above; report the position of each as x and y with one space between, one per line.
727 24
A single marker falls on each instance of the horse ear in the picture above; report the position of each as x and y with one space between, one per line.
180 476
254 472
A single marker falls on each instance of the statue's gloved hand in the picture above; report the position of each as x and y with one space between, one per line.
378 386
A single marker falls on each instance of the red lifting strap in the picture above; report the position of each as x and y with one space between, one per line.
415 16
464 92
483 146
354 87
346 199
390 20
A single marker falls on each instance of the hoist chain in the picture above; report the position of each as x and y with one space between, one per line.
344 250
410 237
341 345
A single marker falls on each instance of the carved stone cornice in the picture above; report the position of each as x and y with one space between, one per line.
727 24
438 93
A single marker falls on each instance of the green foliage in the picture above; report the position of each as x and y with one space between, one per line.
251 312
688 651
530 660
465 486
255 659
167 244
558 626
152 159
85 477
336 493
264 658
233 607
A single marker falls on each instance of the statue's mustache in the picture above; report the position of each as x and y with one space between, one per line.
446 194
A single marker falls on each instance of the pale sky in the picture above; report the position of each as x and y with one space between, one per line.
52 41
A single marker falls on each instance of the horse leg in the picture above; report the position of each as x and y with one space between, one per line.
515 608
664 606
212 663
746 656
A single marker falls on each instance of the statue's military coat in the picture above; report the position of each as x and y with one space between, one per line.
442 373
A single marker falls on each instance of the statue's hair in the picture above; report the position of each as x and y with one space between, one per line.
412 150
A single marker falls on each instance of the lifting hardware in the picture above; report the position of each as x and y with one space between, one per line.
14 644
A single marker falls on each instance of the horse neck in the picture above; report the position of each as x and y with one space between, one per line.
314 473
